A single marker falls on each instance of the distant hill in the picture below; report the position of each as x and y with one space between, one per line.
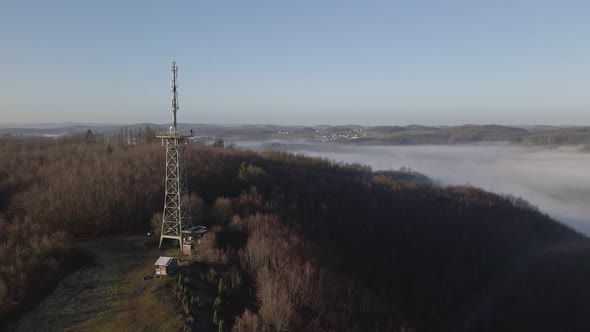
354 134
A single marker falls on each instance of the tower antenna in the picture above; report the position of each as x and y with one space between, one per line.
176 218
174 92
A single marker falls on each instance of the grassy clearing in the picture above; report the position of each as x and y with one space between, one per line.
145 305
111 295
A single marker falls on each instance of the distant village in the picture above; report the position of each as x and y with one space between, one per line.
326 135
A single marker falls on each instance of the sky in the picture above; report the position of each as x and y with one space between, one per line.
296 62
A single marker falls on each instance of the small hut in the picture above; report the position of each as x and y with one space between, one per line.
187 247
165 266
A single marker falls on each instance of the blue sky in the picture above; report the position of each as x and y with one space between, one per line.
297 62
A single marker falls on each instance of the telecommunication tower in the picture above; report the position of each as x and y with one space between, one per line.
176 220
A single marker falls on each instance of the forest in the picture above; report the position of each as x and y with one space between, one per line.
303 244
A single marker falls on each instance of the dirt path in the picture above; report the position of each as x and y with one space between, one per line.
108 295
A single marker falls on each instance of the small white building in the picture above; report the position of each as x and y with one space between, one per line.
165 266
187 247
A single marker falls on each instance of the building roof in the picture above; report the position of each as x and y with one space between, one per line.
164 261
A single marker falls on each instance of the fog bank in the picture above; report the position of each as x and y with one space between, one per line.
557 180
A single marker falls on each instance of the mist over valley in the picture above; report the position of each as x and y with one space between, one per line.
556 180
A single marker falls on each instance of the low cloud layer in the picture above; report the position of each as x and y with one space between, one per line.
555 180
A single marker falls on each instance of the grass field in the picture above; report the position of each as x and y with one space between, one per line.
110 294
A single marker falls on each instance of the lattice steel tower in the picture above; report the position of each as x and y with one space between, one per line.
176 220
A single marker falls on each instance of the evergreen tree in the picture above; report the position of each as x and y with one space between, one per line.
217 304
219 143
89 138
221 288
215 317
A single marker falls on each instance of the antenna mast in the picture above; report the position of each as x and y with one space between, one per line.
174 92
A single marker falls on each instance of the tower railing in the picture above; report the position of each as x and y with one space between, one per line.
174 134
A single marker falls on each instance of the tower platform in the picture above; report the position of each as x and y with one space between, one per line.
174 134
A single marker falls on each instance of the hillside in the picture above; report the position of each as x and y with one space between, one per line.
296 243
465 134
352 134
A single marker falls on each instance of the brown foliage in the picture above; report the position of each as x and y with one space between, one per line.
28 257
52 188
156 224
247 322
288 281
222 210
198 209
